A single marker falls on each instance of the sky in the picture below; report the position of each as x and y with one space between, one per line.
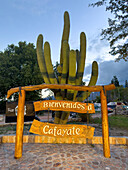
24 20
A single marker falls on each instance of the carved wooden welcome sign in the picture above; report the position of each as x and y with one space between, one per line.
61 130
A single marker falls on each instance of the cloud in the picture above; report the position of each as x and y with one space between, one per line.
33 7
86 78
98 50
108 69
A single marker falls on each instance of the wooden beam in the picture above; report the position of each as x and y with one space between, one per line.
61 86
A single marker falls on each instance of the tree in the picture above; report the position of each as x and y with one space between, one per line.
98 100
117 32
115 81
119 94
126 83
18 67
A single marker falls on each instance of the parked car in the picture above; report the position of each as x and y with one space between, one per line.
125 107
73 115
110 110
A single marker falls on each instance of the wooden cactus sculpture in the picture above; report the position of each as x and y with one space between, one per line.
70 69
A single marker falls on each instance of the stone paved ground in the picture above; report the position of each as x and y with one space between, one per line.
63 156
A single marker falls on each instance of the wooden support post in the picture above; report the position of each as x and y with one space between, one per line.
48 114
105 128
20 125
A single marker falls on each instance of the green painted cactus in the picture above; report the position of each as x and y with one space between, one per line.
71 68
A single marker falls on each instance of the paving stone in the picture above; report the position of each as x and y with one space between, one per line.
81 156
68 154
60 168
83 168
74 158
57 164
49 158
4 168
62 155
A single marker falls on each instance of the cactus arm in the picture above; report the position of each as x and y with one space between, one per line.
72 73
44 66
57 117
81 56
65 35
94 74
41 60
77 60
65 70
61 68
64 117
58 114
48 62
92 82
66 29
71 80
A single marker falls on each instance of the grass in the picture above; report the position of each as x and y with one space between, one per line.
119 121
11 129
6 129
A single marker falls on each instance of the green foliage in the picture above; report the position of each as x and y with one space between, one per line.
126 83
117 31
119 94
115 81
18 67
98 100
2 106
12 129
119 121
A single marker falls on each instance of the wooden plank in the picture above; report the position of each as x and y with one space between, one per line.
60 105
62 131
61 86
39 139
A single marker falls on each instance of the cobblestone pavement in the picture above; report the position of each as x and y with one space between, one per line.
63 156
